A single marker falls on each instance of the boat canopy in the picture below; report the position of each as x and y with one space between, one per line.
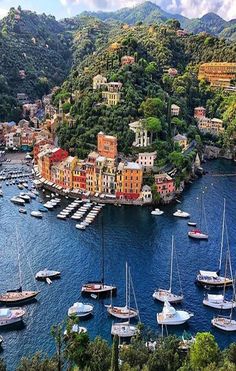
209 274
168 309
5 312
219 298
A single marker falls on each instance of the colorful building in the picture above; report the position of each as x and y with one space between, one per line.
175 110
79 176
99 81
182 140
219 74
127 59
213 126
165 185
107 145
146 159
142 137
199 112
129 180
113 94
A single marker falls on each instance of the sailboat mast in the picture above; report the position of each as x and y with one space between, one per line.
103 268
222 238
171 263
18 258
126 284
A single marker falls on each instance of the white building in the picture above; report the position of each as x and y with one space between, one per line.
99 81
175 110
142 138
146 193
147 159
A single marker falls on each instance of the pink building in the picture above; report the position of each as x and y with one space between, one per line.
127 59
165 184
199 112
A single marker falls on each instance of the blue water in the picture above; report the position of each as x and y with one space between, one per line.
132 234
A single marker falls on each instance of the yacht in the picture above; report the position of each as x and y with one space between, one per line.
77 329
123 329
36 214
80 310
9 316
22 211
157 212
46 273
80 226
61 216
181 214
171 316
18 201
218 301
224 323
25 197
198 235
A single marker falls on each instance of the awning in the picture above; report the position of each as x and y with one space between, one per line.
218 298
209 274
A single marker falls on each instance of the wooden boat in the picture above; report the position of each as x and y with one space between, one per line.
125 312
213 278
98 287
19 295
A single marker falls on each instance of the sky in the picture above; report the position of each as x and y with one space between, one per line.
65 8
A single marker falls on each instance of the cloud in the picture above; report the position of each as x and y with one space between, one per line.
3 12
188 8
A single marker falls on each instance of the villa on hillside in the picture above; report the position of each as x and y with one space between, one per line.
142 137
182 140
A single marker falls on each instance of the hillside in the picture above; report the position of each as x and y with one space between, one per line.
155 49
150 13
35 55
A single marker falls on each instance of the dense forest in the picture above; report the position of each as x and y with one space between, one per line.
76 351
147 91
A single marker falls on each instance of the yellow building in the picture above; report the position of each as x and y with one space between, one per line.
213 126
219 74
113 95
181 140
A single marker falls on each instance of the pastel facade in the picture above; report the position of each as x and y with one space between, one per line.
146 160
182 140
164 185
99 81
199 112
172 72
175 110
142 138
219 74
107 145
213 126
129 180
127 59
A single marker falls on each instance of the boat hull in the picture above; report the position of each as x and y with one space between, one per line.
17 316
17 297
97 288
179 319
224 324
123 330
198 236
122 312
162 295
214 282
223 305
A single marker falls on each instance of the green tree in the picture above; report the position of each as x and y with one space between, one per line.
36 363
2 365
99 355
176 159
166 356
152 107
204 351
115 354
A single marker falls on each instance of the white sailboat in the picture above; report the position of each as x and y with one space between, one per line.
9 316
162 294
212 278
197 233
218 301
171 316
124 329
224 323
125 312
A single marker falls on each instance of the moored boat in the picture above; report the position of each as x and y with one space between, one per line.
192 224
46 273
22 211
17 200
36 214
218 301
181 214
171 316
157 212
77 329
80 310
198 235
9 316
17 296
124 329
224 323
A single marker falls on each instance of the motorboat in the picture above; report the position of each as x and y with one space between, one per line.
9 316
18 201
124 329
25 197
61 216
224 323
192 224
25 185
198 235
1 193
210 278
17 296
80 226
80 309
22 211
163 294
218 301
36 214
171 316
157 212
181 214
76 329
32 195
46 273
48 205
42 209
187 340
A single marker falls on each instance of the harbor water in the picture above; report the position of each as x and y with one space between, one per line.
131 234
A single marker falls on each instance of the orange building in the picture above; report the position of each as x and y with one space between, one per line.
129 180
219 74
107 145
38 147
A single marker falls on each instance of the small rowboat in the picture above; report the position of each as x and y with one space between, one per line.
192 224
